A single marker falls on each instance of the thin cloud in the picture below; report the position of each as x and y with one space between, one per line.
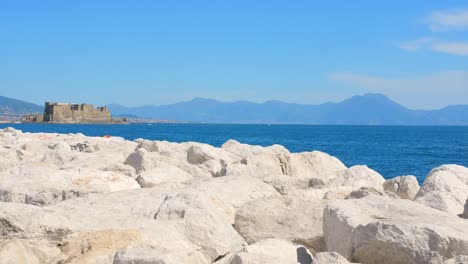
456 19
415 45
423 92
425 44
455 48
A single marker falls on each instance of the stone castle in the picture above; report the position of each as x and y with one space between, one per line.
65 113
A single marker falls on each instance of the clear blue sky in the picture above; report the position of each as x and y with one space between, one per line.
158 52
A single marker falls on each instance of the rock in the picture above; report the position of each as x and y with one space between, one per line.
378 229
457 260
142 160
314 164
128 209
465 211
445 189
229 193
404 186
22 251
42 169
148 145
354 177
201 223
269 251
285 184
182 226
329 257
244 150
366 191
285 217
24 220
164 173
131 256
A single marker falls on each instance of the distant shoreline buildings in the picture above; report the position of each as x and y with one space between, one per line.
68 113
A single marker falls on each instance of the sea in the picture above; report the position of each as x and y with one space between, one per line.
390 150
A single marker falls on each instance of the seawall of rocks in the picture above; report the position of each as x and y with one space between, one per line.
68 198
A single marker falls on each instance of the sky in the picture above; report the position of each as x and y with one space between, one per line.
159 52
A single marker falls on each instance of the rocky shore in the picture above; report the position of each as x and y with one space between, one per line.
68 198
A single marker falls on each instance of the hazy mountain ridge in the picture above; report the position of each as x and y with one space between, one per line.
13 107
369 109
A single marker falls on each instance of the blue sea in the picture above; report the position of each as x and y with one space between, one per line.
390 150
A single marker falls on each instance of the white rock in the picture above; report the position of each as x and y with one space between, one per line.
285 217
404 186
314 164
465 212
142 160
21 251
457 260
202 223
125 209
329 258
445 189
169 256
150 146
366 191
377 229
354 177
229 193
164 173
269 251
24 220
43 169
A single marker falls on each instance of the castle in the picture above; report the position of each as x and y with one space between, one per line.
65 113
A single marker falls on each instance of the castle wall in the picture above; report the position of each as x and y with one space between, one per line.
76 114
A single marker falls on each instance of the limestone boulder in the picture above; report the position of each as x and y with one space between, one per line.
457 260
44 168
283 217
354 177
142 160
405 187
378 229
229 193
148 145
366 191
179 227
201 223
269 251
244 150
165 173
128 209
169 256
24 220
24 251
314 164
465 211
445 189
329 257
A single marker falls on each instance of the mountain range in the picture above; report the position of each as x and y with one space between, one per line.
368 109
12 108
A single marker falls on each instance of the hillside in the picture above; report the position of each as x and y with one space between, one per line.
14 109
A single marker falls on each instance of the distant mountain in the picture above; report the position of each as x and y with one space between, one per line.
369 109
13 107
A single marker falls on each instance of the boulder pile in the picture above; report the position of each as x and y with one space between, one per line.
68 198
